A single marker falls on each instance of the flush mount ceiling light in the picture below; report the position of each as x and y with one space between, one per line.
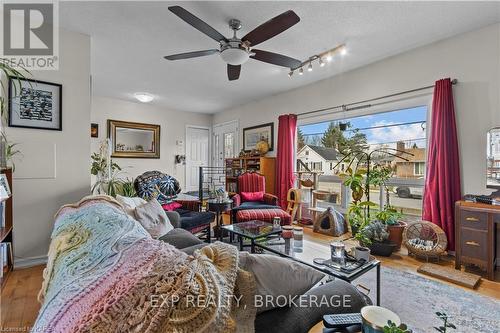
321 57
143 97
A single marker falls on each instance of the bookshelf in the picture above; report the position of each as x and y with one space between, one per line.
6 228
266 166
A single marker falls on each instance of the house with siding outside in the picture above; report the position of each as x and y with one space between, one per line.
321 159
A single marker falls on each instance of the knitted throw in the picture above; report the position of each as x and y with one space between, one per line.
106 274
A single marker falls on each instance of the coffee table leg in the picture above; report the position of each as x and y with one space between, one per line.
378 285
241 242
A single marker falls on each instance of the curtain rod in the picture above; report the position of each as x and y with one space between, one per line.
345 107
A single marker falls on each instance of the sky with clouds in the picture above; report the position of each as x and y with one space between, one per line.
383 134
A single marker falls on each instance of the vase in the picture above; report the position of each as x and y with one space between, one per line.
396 233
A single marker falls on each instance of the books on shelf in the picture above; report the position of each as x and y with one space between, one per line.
2 214
6 258
4 187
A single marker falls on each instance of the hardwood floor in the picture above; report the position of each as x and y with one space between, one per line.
19 306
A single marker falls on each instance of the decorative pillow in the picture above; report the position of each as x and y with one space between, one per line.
252 196
130 203
289 278
155 184
171 206
153 218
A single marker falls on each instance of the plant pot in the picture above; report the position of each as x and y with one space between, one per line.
384 249
396 233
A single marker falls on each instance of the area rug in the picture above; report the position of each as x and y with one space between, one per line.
416 300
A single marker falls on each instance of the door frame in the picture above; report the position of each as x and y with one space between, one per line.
186 167
237 137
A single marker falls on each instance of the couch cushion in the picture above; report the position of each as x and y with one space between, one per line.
299 278
180 238
265 215
130 203
252 196
153 218
254 205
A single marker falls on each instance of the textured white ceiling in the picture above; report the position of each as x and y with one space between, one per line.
129 40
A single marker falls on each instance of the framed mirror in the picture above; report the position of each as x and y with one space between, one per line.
134 140
493 159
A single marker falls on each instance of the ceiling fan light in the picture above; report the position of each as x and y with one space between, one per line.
310 67
234 56
143 97
301 71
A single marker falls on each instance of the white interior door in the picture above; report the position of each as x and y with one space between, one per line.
197 154
225 142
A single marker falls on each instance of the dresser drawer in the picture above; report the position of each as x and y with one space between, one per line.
474 244
473 219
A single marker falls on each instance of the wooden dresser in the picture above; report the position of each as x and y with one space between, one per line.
475 235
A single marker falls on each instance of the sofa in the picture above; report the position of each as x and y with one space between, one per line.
291 319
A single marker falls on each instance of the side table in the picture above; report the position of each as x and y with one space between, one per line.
218 207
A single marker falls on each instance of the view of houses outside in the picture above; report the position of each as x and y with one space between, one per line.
402 132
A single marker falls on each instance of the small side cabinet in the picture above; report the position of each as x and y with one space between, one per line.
475 235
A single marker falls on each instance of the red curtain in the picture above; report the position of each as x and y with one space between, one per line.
287 128
442 183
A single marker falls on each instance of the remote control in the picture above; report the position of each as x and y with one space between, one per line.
341 320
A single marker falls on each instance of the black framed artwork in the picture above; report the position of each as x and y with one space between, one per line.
35 104
254 134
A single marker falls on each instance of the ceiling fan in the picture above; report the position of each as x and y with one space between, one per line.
236 51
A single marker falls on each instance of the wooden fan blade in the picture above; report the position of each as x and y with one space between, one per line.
197 23
233 72
275 59
188 55
271 28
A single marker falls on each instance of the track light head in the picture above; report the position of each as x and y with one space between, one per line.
343 51
310 67
321 62
329 57
290 74
301 71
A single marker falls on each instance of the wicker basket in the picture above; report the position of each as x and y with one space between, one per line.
426 231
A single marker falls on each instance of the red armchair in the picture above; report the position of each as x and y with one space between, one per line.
253 182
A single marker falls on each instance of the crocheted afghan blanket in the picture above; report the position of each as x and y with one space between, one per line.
106 274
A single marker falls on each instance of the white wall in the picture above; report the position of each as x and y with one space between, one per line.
173 128
472 58
54 168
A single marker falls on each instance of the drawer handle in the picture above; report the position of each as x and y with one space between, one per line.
472 219
472 243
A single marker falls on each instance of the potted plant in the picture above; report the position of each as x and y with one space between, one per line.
395 226
106 172
354 179
357 215
375 237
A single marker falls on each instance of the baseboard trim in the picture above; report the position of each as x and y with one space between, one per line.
29 262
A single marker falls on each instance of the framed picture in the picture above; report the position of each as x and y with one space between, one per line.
4 187
35 104
94 130
252 135
134 140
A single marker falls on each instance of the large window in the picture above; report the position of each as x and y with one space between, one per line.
402 133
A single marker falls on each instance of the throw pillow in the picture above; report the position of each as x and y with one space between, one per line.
252 196
289 279
171 206
130 203
153 218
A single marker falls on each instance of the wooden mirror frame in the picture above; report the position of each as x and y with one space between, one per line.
114 124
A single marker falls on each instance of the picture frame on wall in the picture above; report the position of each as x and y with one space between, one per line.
35 104
252 135
94 130
134 140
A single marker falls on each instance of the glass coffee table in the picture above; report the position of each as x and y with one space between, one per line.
312 250
251 230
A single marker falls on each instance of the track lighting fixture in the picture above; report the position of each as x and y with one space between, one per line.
323 58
